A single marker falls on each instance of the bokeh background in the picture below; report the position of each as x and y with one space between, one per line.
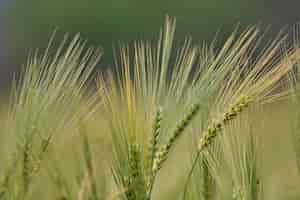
28 24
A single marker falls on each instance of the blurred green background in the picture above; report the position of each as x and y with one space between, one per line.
28 24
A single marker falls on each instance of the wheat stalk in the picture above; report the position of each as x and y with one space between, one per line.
88 158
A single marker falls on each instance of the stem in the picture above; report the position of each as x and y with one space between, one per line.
190 174
151 187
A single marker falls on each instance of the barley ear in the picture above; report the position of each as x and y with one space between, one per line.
135 185
215 127
156 131
153 147
162 154
26 168
153 144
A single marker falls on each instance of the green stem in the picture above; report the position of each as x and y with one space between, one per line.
190 174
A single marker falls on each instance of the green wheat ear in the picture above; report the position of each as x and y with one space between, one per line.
211 133
154 140
156 134
162 154
135 185
215 127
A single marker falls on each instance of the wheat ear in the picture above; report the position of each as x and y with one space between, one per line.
156 134
154 146
135 183
159 156
26 168
217 126
162 154
214 128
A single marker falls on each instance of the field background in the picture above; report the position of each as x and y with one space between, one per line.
28 24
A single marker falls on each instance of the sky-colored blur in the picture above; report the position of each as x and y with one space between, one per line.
28 24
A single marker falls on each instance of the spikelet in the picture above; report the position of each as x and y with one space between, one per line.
27 167
135 183
153 147
156 130
162 154
212 131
